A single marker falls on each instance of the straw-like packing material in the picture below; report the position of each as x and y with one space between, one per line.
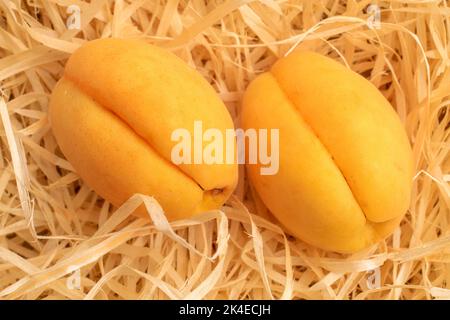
55 231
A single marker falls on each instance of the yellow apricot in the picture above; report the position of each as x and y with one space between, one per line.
345 162
113 113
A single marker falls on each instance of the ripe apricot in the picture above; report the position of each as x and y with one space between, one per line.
113 113
346 167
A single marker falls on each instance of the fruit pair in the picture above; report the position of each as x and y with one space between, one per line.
345 162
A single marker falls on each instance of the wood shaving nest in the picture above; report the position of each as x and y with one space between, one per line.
59 240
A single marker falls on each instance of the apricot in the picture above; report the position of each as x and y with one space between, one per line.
346 166
113 113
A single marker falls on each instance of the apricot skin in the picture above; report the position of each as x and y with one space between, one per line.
346 164
113 113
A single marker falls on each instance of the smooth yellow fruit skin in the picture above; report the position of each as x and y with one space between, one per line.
346 165
113 113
